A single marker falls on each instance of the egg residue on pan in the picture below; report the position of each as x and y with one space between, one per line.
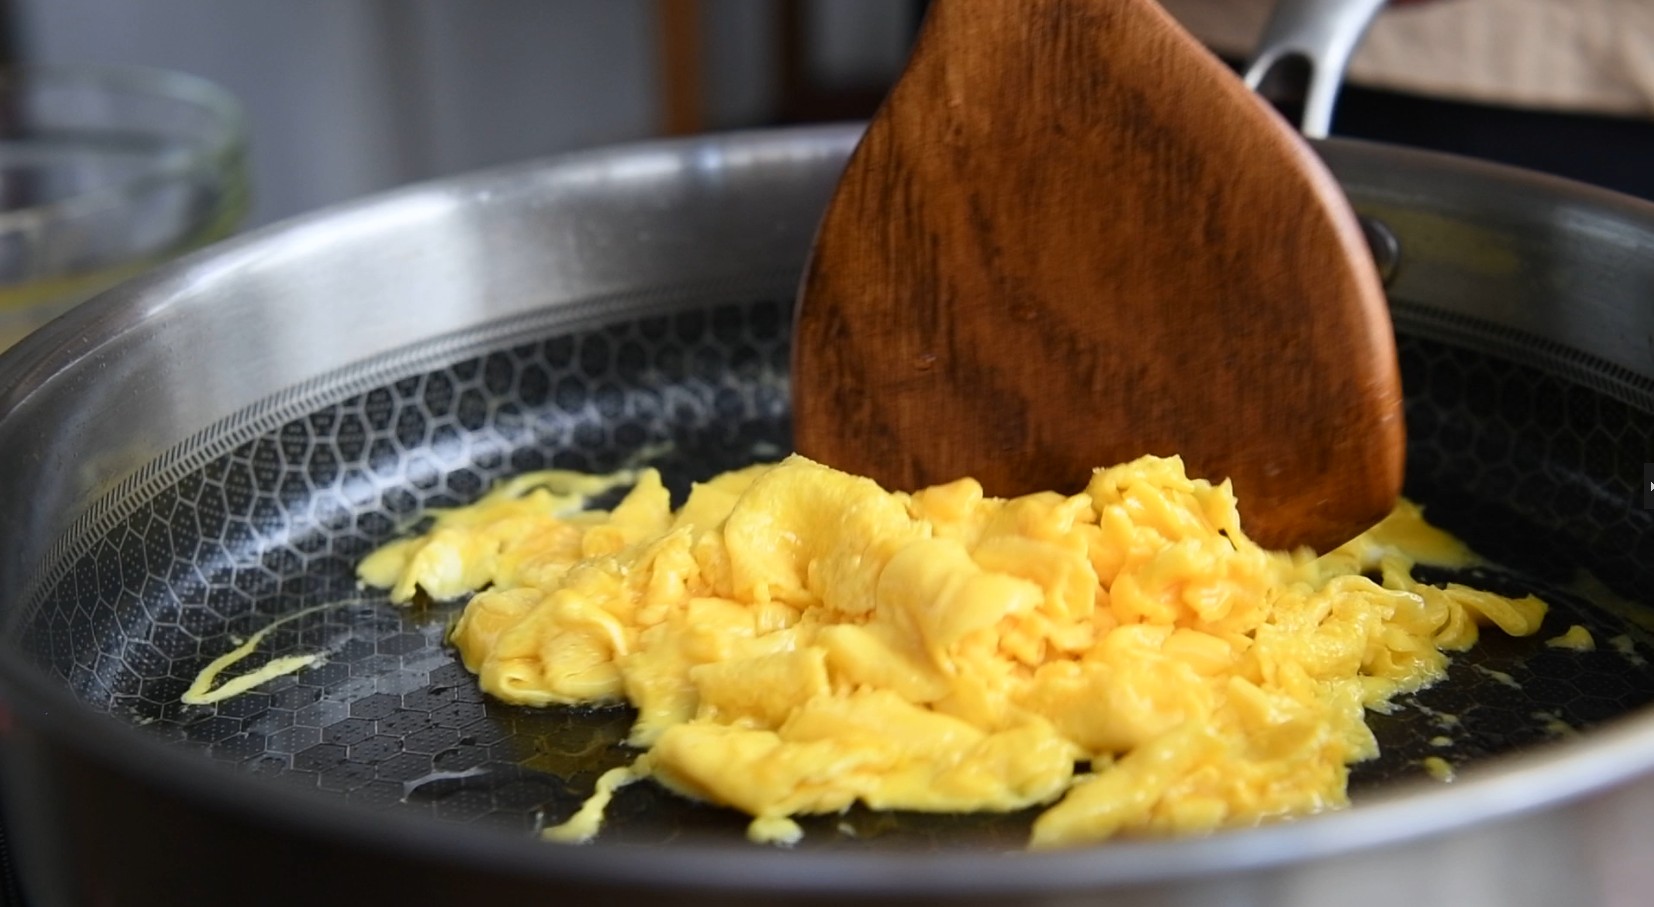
796 639
1576 638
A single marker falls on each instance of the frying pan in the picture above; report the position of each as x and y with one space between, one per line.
210 449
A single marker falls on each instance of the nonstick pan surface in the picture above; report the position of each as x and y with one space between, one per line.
1526 448
209 553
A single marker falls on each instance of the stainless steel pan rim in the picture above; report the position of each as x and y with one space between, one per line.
1545 777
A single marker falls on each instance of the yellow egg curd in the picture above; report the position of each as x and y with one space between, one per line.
796 639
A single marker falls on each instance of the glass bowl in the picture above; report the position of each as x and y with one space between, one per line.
104 172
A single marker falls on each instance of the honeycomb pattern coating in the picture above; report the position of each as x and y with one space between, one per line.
1532 471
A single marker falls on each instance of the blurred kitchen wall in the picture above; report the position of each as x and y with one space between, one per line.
347 97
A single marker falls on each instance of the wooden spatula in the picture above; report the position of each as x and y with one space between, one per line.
1071 237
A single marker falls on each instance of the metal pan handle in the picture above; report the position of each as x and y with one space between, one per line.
1320 33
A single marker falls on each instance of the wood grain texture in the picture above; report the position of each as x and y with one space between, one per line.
1071 237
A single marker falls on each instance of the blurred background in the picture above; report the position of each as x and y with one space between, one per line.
346 97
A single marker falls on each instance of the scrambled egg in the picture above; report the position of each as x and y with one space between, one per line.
1577 638
796 639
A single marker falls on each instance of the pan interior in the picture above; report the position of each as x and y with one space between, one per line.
1536 467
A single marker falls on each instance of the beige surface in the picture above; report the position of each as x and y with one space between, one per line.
1587 55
